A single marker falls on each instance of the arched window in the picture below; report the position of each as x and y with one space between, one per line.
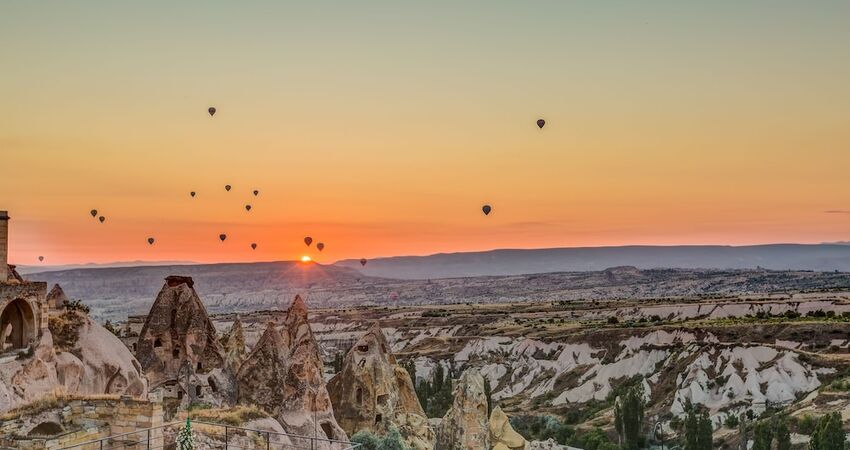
359 396
198 391
211 382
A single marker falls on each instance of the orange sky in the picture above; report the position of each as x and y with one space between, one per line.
381 130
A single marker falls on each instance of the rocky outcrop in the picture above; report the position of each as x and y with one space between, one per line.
178 334
502 434
234 346
372 392
283 376
93 362
56 298
465 425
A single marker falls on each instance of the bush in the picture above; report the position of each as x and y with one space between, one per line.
613 320
366 439
806 424
731 421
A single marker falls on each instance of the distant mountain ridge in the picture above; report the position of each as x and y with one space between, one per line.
817 257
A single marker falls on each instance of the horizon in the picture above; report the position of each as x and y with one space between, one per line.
383 129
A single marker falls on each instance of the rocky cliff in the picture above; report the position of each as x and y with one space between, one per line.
283 376
502 434
465 425
372 392
89 361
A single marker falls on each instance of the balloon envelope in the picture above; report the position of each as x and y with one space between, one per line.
541 122
256 192
486 209
150 241
227 187
363 262
192 193
41 258
320 246
247 207
101 219
253 246
211 110
93 213
308 240
222 237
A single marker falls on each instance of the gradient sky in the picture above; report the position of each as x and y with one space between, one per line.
380 128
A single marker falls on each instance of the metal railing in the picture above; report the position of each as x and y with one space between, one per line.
209 436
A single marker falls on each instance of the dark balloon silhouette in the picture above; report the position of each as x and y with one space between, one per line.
308 240
320 246
150 241
211 110
41 258
227 187
101 219
253 246
486 209
256 192
247 207
363 261
192 193
541 122
93 213
222 237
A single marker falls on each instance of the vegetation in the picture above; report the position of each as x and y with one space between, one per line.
629 416
828 434
65 328
77 305
541 428
698 429
368 441
435 395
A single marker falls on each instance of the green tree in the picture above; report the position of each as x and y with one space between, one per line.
392 441
828 434
698 429
185 438
782 433
366 439
762 435
488 393
628 417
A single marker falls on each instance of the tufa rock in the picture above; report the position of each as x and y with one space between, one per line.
56 298
234 346
283 376
372 392
502 434
178 333
465 425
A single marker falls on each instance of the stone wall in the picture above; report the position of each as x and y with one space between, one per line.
79 420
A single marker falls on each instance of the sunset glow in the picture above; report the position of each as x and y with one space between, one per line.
387 139
306 259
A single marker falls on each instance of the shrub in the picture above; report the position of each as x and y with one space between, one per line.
366 439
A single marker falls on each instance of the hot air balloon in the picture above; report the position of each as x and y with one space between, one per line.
40 258
256 192
486 209
227 187
363 261
247 207
394 296
222 237
253 246
192 193
308 240
211 110
93 213
101 219
541 122
150 241
320 246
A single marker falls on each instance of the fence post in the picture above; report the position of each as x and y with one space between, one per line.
149 439
268 440
225 437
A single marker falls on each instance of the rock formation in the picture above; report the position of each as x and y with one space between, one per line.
56 298
465 425
178 335
502 434
91 361
234 346
372 392
283 376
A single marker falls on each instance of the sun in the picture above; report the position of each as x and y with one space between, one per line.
306 258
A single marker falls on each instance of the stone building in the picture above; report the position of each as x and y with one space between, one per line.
23 304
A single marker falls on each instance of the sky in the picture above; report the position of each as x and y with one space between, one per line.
381 127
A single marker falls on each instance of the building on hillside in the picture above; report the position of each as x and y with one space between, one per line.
23 304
